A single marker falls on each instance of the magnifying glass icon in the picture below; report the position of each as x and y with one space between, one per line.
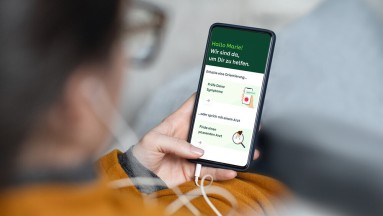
238 138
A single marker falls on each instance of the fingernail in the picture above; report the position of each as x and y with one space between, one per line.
232 174
196 150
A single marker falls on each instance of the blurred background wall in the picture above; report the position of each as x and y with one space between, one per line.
186 34
187 26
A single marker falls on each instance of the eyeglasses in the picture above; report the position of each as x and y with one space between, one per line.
143 32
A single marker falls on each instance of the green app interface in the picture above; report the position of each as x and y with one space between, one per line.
230 93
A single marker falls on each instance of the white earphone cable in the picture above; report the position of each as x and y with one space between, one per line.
197 174
183 199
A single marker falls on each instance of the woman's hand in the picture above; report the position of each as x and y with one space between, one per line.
164 150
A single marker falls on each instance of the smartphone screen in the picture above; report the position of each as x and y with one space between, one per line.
230 94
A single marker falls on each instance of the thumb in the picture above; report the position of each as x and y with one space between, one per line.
177 146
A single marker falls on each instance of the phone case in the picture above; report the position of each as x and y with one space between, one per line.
246 99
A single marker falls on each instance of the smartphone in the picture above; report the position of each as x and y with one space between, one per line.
230 95
247 95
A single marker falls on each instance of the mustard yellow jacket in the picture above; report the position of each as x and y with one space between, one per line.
255 194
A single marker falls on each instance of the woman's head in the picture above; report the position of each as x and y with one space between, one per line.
53 53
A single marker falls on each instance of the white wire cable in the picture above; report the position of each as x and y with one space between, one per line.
193 194
183 199
149 181
197 174
202 187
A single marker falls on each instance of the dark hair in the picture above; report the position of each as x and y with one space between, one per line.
41 43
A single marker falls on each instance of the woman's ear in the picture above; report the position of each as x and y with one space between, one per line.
76 115
85 112
70 132
96 95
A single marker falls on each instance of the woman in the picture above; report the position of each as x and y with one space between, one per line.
61 67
